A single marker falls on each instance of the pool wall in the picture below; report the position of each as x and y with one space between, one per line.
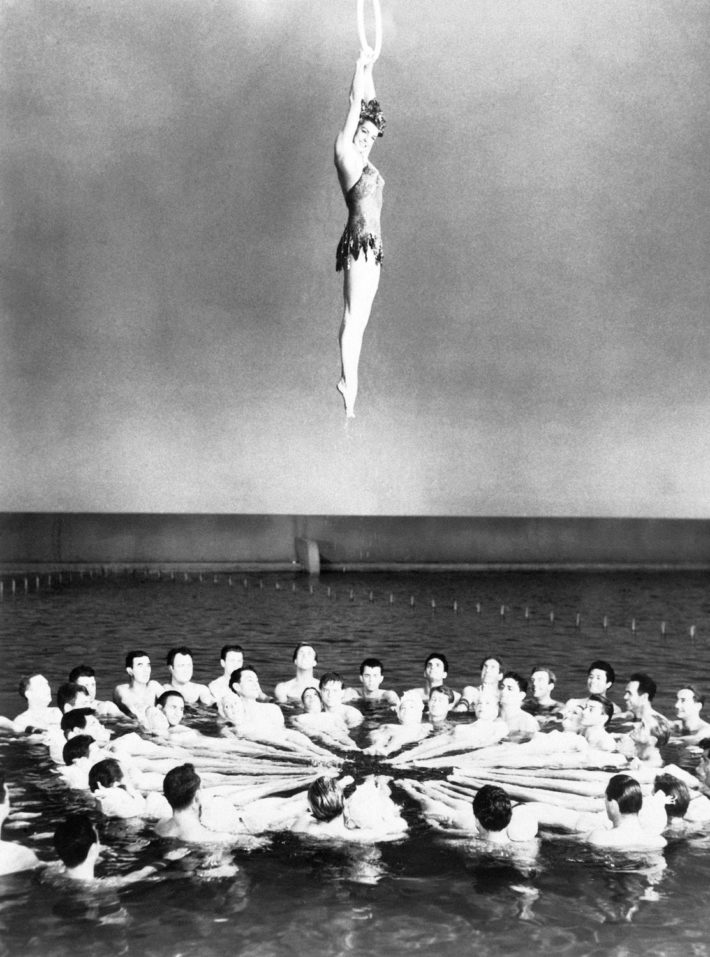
221 539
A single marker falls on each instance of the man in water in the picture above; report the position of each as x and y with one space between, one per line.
180 666
597 711
181 788
71 695
441 701
251 717
77 844
371 678
231 658
305 660
392 737
436 671
600 677
489 689
540 702
38 715
638 695
690 726
331 692
164 719
623 800
513 689
86 676
140 692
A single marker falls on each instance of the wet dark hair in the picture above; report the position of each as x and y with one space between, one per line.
68 693
490 658
330 677
492 808
163 699
25 683
673 787
227 648
438 656
105 774
82 671
646 684
132 655
519 680
77 747
174 652
236 675
74 838
600 665
626 791
445 690
76 718
310 688
548 671
325 799
372 663
180 786
606 704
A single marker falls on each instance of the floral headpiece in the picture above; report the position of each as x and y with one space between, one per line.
371 111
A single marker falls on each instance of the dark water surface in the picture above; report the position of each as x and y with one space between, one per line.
422 895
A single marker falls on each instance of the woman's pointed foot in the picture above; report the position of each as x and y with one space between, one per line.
342 389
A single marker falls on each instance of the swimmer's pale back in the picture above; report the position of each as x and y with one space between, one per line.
363 231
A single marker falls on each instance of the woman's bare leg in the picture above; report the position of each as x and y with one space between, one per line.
359 289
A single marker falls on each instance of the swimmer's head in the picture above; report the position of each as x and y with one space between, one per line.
640 689
410 709
78 747
76 839
231 657
245 682
181 787
492 808
138 666
371 113
105 774
542 681
331 689
311 701
491 670
325 799
624 792
172 704
486 708
600 677
436 668
35 689
441 700
689 702
179 661
83 721
597 711
513 688
304 656
86 676
676 792
72 695
371 674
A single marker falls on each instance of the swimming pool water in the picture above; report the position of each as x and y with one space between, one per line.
424 894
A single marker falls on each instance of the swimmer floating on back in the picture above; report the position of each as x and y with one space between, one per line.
359 253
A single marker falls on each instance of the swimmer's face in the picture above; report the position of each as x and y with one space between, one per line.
685 704
174 709
510 692
233 661
410 712
248 686
365 136
305 659
371 678
486 709
332 694
435 671
311 700
97 731
593 715
140 670
82 700
572 720
597 681
490 671
439 706
632 698
38 694
541 684
86 681
181 669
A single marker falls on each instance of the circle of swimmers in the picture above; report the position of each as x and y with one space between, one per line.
516 762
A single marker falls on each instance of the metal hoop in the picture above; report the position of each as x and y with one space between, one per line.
364 45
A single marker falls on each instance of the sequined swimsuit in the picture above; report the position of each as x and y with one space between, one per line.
364 201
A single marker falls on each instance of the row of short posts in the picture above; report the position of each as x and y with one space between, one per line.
23 585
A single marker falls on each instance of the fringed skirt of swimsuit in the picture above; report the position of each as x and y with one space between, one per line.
362 233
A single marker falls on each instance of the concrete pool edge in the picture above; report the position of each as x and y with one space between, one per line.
241 542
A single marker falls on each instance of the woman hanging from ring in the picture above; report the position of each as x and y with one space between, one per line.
359 253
